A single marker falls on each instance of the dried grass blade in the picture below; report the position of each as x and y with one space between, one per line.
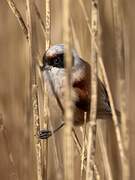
19 17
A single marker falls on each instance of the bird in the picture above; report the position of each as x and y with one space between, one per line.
54 71
54 75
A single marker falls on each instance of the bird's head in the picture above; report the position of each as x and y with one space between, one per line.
54 72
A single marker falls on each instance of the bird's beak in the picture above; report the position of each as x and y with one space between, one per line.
45 68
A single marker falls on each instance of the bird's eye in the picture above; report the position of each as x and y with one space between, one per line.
58 62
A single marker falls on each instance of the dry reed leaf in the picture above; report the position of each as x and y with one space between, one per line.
19 17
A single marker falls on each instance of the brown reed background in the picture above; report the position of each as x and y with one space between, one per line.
17 151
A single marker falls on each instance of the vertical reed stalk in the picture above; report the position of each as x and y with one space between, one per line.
36 130
44 123
119 43
68 141
48 22
36 125
93 111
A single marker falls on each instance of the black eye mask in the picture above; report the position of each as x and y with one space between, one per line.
56 61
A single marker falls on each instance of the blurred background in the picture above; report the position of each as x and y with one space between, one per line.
17 152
